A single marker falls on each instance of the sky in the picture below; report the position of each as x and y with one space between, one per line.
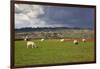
53 16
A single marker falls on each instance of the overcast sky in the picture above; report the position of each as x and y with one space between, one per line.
53 16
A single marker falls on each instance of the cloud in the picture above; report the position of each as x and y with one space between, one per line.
38 16
52 16
27 15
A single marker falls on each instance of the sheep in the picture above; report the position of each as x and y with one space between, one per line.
83 40
61 40
42 40
30 43
25 39
75 42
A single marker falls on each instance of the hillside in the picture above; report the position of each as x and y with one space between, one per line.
45 29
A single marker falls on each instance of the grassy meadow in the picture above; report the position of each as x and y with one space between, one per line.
53 52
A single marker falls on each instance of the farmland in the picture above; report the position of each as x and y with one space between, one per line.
52 51
52 34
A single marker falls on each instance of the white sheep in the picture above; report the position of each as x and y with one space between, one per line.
42 40
83 40
32 44
75 41
61 40
25 39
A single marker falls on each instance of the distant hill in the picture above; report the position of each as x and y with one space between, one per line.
39 29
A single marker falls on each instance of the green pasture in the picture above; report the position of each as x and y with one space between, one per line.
52 52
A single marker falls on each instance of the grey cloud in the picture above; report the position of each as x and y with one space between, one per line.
52 16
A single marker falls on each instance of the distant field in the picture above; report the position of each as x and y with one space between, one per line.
52 52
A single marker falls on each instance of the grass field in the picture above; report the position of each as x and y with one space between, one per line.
52 52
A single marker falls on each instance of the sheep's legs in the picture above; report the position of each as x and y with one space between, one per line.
32 46
36 46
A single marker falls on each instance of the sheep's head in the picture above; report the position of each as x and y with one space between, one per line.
84 40
75 42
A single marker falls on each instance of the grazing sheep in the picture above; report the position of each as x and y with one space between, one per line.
25 39
42 40
32 44
83 40
61 40
75 42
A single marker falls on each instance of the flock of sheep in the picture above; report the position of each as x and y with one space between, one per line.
33 45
